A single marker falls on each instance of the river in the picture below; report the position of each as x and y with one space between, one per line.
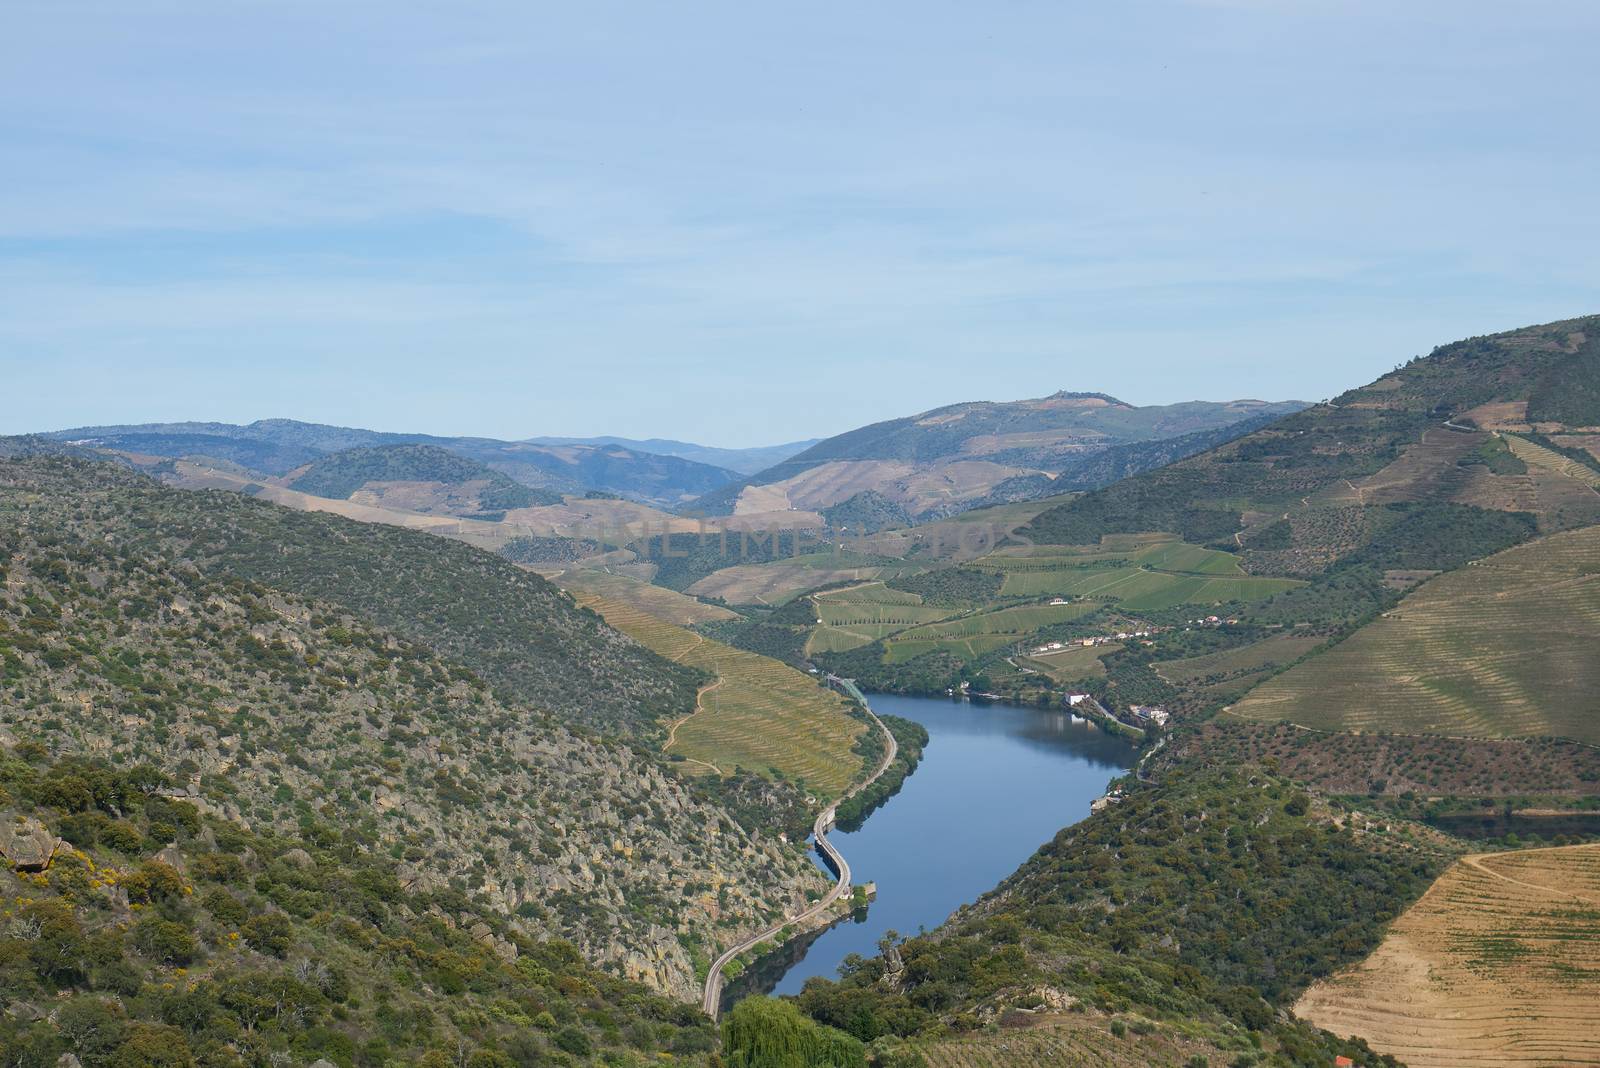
995 783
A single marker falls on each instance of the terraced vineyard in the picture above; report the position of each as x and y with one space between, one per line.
1139 577
759 714
667 605
1498 965
849 619
1068 1041
1502 648
1530 452
1228 675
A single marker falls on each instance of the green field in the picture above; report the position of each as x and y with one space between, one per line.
899 651
867 593
854 613
1074 662
842 639
760 715
1506 647
860 615
971 636
1145 575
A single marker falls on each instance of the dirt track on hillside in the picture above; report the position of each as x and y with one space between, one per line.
1497 966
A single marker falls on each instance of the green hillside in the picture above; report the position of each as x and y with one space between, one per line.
1503 648
158 937
1322 469
520 633
1202 906
272 709
341 474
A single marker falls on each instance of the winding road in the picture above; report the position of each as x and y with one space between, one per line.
711 1002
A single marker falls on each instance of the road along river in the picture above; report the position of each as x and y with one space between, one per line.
996 782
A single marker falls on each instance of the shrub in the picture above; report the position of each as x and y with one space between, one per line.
165 940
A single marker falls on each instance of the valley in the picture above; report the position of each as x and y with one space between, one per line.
1262 704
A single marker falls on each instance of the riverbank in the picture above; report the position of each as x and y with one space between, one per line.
711 997
996 781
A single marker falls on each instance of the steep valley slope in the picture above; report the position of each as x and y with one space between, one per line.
135 627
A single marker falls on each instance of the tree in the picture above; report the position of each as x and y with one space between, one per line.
766 1033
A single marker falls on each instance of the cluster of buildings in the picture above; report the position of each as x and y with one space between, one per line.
1210 621
1148 714
1112 797
1099 639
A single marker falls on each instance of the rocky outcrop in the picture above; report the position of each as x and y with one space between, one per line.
25 843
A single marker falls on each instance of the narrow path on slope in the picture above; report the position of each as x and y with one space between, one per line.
699 707
711 1002
1475 861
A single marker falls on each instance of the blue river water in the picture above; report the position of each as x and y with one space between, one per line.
996 782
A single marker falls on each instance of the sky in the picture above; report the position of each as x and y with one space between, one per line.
741 224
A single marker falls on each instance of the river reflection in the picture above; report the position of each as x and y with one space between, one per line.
996 782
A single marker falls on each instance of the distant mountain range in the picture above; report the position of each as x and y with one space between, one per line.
953 458
744 461
922 466
280 448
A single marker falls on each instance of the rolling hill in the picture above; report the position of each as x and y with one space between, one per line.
521 634
743 461
276 447
948 459
417 478
1311 489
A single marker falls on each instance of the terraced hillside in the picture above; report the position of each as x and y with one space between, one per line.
1502 648
1497 966
757 713
943 461
667 605
1303 493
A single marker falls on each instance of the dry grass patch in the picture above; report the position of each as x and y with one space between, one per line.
669 606
759 714
1497 966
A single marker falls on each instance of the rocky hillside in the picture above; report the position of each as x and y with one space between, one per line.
520 633
139 932
129 631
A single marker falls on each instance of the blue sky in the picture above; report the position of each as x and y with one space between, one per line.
745 223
